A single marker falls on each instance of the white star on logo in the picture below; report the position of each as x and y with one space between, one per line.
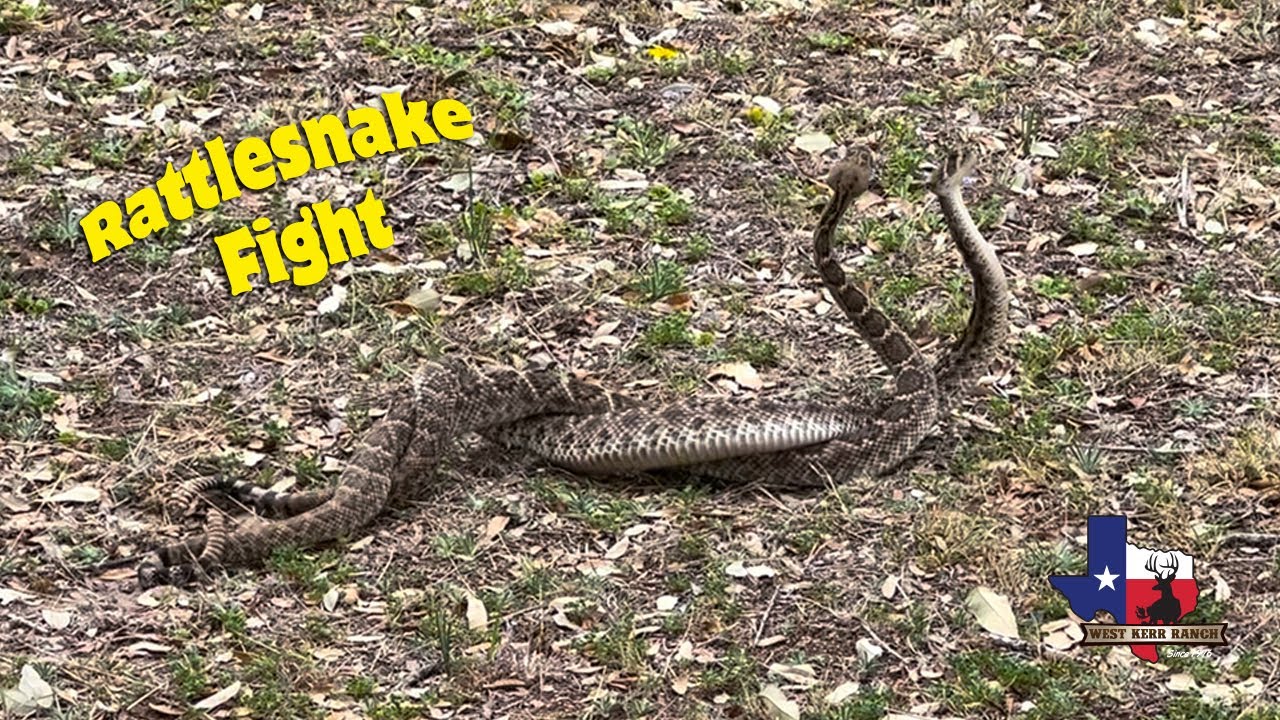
1106 579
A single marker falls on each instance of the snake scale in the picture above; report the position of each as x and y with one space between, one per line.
590 430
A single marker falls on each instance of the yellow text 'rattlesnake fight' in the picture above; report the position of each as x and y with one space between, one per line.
322 236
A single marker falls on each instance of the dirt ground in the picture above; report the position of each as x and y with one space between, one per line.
635 206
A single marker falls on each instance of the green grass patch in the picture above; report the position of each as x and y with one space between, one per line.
751 348
986 681
834 42
315 573
668 331
644 145
601 511
417 53
900 173
21 405
661 279
1100 153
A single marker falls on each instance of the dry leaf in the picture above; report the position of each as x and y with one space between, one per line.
7 596
867 650
802 674
424 300
331 303
328 654
737 569
890 586
814 143
992 611
618 549
143 647
56 98
742 373
559 28
1174 101
40 376
477 615
1043 149
569 11
56 619
30 695
684 651
691 10
14 504
777 704
77 494
562 620
1083 249
629 37
218 698
767 104
1180 682
206 395
457 182
954 48
843 692
1221 589
495 526
679 301
1061 634
250 458
1250 688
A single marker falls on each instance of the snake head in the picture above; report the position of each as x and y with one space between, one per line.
949 176
853 175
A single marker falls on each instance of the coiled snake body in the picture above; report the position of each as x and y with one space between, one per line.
590 430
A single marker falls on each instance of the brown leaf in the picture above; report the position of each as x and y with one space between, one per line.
507 140
495 526
679 301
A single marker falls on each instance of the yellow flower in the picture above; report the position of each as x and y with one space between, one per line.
661 53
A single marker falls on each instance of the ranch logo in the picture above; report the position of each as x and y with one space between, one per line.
1147 590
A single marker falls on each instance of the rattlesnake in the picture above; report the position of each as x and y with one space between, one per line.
588 429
